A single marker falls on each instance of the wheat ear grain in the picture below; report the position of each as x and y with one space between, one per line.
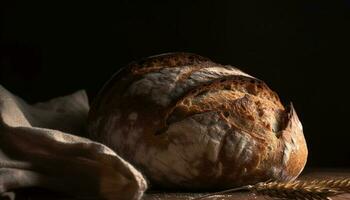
341 184
300 190
319 189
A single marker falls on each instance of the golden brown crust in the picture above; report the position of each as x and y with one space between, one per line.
242 84
155 63
135 69
188 122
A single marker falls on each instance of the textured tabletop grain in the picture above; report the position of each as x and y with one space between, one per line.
159 195
308 174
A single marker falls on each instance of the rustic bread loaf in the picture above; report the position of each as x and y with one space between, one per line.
189 123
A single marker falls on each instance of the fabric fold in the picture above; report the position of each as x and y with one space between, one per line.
38 149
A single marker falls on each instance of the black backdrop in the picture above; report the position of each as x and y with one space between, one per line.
301 50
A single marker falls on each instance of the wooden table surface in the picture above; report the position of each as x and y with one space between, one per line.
308 174
153 195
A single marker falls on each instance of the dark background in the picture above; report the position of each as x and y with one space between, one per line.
301 50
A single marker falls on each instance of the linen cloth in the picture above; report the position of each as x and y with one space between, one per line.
43 145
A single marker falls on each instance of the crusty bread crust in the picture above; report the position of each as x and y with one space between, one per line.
187 122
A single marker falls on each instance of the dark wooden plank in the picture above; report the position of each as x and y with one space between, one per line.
37 194
308 174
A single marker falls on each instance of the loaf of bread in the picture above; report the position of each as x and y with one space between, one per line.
189 123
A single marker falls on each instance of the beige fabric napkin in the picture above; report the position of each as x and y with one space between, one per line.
40 146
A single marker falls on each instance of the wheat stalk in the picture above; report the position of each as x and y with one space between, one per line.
319 189
294 190
342 184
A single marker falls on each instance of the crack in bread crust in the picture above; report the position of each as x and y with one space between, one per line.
156 63
147 65
241 84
